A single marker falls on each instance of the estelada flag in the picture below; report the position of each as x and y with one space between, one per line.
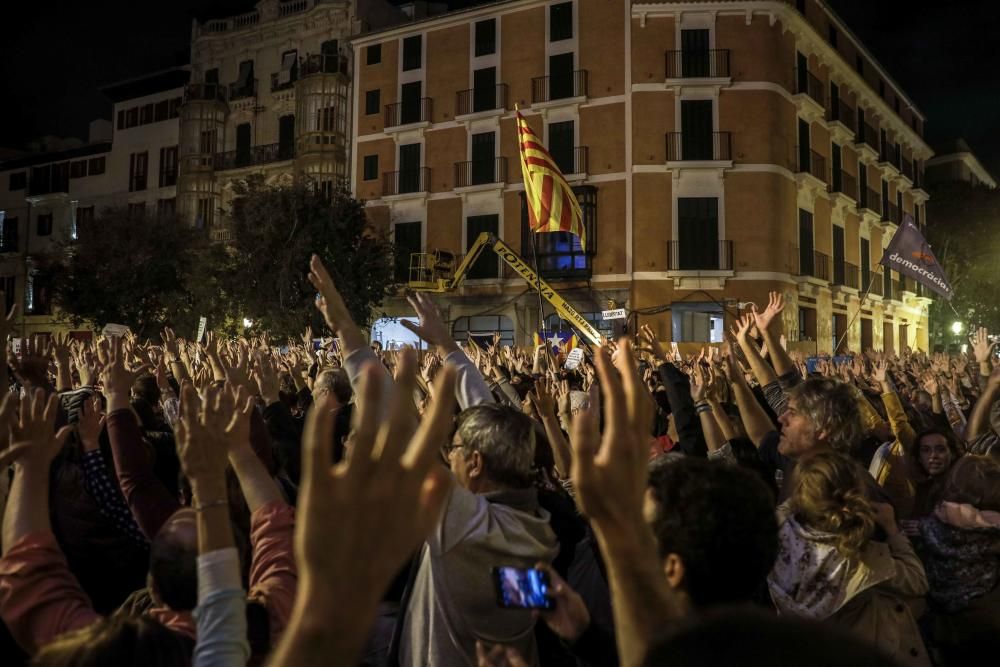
552 206
558 340
910 255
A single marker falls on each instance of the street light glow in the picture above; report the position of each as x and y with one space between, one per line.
247 323
956 328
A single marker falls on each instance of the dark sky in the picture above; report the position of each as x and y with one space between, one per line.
56 54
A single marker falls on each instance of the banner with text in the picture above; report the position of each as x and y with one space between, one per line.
910 255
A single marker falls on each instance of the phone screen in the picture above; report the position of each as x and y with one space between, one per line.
522 588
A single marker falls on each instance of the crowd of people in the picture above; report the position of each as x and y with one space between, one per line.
232 502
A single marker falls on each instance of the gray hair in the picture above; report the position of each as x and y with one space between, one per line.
505 438
833 409
336 382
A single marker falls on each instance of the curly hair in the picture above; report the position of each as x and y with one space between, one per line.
828 495
833 409
719 519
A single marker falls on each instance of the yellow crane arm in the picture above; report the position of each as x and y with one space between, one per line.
514 261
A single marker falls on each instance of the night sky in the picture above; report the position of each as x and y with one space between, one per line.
945 55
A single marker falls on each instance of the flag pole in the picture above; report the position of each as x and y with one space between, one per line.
538 285
861 304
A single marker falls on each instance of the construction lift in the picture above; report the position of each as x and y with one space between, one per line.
437 272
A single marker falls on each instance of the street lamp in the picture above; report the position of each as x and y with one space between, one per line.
956 328
247 323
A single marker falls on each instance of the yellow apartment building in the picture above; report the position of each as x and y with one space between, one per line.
719 150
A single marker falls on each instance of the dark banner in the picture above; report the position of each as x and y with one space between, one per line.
909 255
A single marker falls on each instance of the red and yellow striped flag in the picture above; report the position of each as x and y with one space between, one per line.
552 206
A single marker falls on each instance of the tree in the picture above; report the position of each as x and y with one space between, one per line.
962 223
130 269
276 229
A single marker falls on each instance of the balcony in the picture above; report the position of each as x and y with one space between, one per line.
575 163
278 85
242 91
407 113
407 181
323 63
695 256
480 172
168 177
877 285
205 92
845 274
870 200
907 169
842 119
255 155
689 147
711 64
814 171
866 142
810 97
892 214
481 100
845 184
545 89
888 157
812 263
221 233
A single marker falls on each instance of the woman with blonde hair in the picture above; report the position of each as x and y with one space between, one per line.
830 565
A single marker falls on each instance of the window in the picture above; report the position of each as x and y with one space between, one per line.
373 100
8 235
243 137
146 114
245 84
838 256
412 53
39 290
484 89
286 137
373 54
406 241
137 210
325 119
866 263
174 109
559 253
84 219
410 106
41 180
8 285
78 169
138 166
371 167
43 224
483 167
166 208
121 119
289 71
95 166
859 65
562 137
607 328
807 263
206 213
161 111
697 234
482 327
696 130
207 142
832 34
487 266
132 117
561 21
212 75
18 181
168 166
60 177
804 147
836 168
486 37
697 322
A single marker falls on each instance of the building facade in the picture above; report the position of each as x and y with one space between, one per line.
719 150
269 97
957 162
50 198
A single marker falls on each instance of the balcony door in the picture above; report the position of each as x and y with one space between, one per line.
561 76
409 168
838 255
483 157
695 53
286 137
409 111
696 129
484 89
487 265
806 258
698 233
562 137
838 176
243 144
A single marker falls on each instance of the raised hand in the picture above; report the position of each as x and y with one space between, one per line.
331 305
542 398
31 369
741 328
90 424
117 378
201 441
609 470
265 377
431 327
981 346
648 342
699 387
775 304
32 430
170 346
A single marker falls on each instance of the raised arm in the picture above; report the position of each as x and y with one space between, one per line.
979 420
699 394
609 473
545 405
770 326
40 598
755 419
382 501
761 369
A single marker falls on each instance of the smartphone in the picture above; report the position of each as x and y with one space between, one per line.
519 588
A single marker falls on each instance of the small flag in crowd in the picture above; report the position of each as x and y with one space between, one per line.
909 254
558 341
552 206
